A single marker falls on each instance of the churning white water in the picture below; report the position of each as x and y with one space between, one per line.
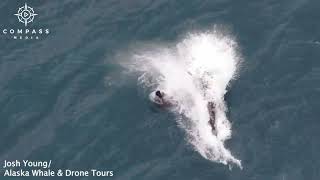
193 72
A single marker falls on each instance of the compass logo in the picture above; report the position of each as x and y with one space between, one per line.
25 14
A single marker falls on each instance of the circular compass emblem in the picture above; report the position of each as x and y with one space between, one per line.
25 14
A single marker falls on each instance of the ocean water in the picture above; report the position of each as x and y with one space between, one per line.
79 96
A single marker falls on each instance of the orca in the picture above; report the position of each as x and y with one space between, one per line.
212 114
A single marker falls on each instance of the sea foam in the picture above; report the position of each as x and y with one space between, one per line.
193 72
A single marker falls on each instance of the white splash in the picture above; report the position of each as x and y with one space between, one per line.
193 72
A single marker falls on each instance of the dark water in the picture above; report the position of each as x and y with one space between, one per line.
64 97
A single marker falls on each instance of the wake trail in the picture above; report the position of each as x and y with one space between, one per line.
193 72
